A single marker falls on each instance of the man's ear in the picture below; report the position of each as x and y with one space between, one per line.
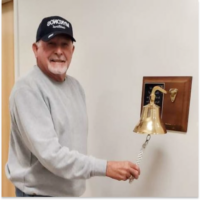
73 48
35 49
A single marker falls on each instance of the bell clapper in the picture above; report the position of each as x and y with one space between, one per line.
140 155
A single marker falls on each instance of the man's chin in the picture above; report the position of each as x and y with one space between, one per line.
58 70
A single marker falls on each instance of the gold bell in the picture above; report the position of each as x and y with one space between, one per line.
150 121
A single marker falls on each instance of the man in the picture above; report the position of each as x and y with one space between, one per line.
47 155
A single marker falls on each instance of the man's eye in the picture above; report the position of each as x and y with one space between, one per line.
51 43
65 44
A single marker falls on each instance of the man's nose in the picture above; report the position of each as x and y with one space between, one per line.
58 50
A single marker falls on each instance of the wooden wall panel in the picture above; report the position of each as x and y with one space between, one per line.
7 84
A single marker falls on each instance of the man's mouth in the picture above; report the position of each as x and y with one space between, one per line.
55 60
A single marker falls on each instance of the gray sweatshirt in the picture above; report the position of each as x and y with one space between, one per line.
48 139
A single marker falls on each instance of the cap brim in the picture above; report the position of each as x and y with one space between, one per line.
52 35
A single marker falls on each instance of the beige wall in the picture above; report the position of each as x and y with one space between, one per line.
7 83
119 42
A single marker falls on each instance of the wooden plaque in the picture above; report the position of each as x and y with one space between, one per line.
174 114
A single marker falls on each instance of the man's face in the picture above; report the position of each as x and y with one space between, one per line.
54 56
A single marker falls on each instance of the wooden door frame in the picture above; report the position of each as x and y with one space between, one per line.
8 79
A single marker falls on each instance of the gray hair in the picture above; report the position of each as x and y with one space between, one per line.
38 43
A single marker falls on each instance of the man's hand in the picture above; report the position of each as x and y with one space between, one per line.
122 170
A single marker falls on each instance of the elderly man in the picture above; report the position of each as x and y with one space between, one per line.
48 141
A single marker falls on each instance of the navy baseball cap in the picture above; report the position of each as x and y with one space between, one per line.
52 26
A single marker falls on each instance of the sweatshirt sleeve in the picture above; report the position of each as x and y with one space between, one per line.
35 125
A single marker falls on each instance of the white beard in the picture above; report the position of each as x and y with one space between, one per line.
57 68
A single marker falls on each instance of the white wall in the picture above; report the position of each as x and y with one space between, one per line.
119 42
